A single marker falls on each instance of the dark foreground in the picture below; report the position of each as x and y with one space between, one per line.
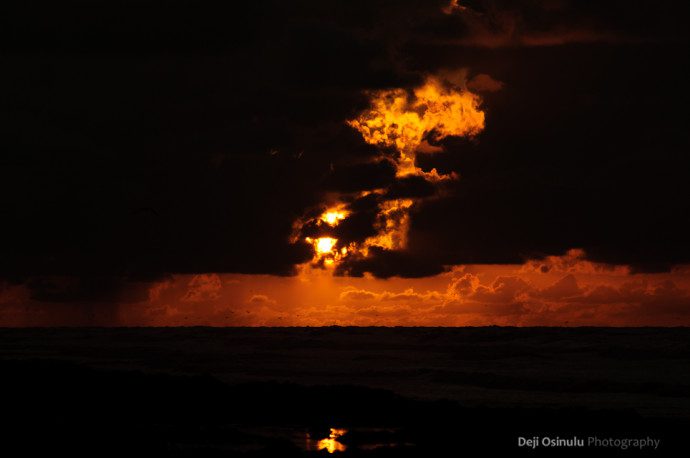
426 392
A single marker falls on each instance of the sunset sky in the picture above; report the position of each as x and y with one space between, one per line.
397 163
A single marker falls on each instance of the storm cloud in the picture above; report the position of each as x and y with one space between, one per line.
141 141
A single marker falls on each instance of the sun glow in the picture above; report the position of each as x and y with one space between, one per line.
334 215
326 251
325 244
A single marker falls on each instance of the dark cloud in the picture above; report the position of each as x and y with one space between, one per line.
484 83
388 263
141 140
361 223
506 23
88 289
361 177
413 186
581 149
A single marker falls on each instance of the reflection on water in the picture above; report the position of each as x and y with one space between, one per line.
330 443
354 439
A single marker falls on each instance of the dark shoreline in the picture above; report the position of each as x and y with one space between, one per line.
413 391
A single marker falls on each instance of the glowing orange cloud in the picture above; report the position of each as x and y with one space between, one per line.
437 110
392 224
405 121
